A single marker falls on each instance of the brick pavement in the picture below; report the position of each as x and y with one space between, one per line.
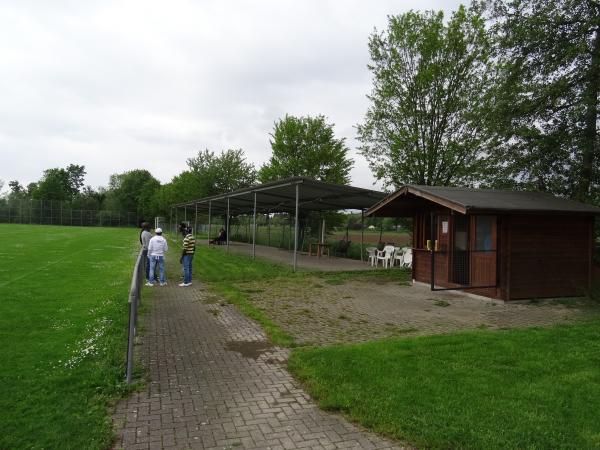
215 382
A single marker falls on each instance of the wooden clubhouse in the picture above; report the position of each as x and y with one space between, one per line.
501 244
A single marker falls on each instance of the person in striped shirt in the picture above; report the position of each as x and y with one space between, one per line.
187 255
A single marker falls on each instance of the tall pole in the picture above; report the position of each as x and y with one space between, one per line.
296 227
432 237
209 211
254 231
196 219
227 224
362 233
269 228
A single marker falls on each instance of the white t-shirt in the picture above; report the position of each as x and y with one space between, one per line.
157 246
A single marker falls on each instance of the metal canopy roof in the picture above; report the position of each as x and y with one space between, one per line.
280 196
468 201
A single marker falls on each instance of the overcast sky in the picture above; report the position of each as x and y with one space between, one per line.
122 85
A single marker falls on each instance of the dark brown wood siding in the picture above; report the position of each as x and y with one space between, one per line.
422 267
549 256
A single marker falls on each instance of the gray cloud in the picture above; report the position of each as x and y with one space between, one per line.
119 85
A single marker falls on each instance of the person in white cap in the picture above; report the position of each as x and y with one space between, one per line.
157 247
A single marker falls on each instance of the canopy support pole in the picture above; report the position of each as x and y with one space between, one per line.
362 234
296 227
254 230
227 225
209 217
269 228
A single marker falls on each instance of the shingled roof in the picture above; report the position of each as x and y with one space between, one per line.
471 201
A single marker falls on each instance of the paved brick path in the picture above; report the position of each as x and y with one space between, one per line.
216 383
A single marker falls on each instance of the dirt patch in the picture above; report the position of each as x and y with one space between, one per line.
316 312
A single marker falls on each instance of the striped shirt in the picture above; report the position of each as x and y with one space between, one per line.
189 244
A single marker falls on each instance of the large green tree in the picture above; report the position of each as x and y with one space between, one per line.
89 199
222 173
426 117
16 187
545 105
307 147
208 174
60 184
183 187
132 191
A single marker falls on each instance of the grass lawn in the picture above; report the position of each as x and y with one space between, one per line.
517 389
63 325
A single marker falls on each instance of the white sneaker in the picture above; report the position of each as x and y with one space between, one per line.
182 284
149 284
163 284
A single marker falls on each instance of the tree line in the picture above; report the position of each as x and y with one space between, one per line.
301 146
503 94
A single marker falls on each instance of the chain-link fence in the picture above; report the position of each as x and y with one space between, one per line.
48 212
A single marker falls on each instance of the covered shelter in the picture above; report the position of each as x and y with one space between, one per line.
501 244
292 195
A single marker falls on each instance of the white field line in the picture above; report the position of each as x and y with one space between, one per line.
39 269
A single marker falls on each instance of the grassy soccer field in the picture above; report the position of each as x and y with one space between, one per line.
63 325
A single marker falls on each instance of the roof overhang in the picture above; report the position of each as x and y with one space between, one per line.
411 199
280 196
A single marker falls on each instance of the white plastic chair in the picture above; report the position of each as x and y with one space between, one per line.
398 256
407 258
385 256
371 254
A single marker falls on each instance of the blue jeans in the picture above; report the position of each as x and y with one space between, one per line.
187 268
146 264
160 261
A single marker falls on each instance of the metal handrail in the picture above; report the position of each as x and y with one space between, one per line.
135 297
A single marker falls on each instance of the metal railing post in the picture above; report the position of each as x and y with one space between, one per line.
134 301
